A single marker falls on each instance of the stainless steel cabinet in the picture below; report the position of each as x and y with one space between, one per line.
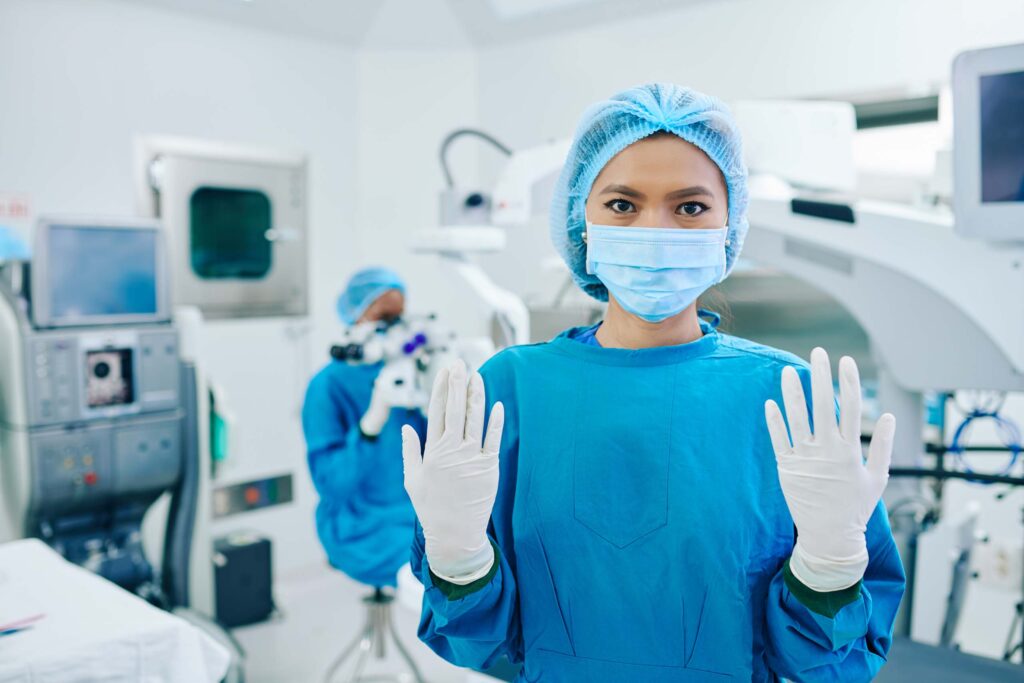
236 225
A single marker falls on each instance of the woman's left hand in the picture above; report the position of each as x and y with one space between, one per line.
830 489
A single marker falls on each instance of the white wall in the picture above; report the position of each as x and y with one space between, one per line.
409 100
735 49
80 79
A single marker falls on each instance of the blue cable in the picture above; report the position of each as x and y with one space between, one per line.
1008 430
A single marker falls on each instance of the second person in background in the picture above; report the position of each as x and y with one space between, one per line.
352 428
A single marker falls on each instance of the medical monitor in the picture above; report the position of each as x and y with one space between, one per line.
988 143
98 272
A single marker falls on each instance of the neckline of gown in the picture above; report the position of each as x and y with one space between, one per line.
658 355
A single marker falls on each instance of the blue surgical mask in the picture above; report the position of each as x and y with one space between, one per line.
655 273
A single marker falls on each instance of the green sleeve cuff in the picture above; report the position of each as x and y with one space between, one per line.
454 591
826 604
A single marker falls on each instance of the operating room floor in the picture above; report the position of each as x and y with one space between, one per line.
321 612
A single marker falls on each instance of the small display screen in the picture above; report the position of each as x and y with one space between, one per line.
108 378
101 272
1002 137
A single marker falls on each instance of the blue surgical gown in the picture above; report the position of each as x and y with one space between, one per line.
364 518
641 531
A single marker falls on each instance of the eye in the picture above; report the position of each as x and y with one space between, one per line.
620 206
691 209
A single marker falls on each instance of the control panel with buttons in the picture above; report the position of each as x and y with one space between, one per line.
100 375
80 466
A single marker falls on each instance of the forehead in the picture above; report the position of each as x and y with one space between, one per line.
661 159
389 297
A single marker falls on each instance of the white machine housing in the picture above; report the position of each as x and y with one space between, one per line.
937 306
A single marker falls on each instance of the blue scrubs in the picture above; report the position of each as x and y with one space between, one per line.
364 519
641 531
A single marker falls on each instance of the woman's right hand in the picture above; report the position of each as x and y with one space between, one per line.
453 485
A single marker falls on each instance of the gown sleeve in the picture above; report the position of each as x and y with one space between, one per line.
843 635
475 625
334 443
832 637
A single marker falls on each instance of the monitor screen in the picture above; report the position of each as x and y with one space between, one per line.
1002 137
101 272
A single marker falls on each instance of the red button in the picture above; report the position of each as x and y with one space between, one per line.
89 478
252 495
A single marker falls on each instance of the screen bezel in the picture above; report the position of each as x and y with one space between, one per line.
42 314
995 221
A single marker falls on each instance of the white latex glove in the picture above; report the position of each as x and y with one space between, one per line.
831 491
453 485
393 388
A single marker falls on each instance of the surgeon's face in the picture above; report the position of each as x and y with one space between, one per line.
388 306
661 181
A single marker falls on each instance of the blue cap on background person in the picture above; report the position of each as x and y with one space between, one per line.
365 287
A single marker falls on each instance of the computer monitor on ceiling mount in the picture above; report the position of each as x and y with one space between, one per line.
988 143
89 272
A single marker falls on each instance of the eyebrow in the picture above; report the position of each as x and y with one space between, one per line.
678 194
690 192
623 189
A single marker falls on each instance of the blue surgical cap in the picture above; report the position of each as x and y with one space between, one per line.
608 127
365 287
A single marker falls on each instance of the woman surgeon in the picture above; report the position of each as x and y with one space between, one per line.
637 508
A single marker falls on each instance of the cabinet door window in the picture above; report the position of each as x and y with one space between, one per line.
229 230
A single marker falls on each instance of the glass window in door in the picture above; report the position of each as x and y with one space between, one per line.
229 229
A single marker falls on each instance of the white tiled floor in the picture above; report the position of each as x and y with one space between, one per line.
321 612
